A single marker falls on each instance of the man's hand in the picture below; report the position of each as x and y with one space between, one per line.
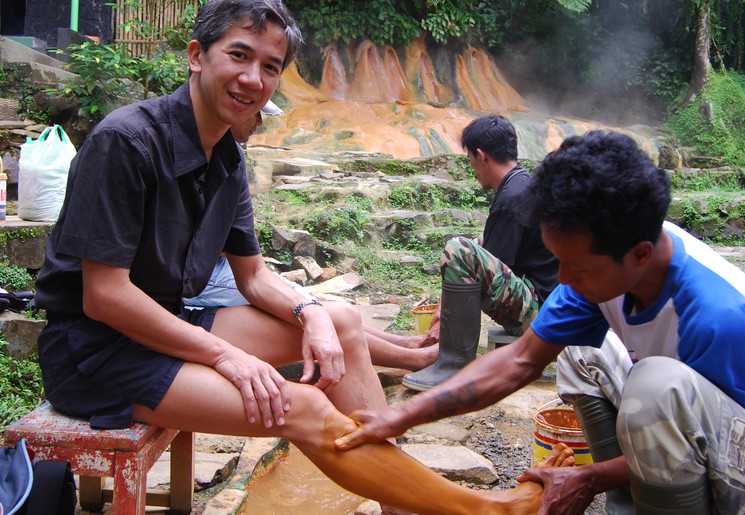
433 333
372 426
565 492
320 342
263 389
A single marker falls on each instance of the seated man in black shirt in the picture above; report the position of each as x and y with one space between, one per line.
507 273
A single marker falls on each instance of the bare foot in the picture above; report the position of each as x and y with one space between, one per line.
525 499
411 342
426 356
561 456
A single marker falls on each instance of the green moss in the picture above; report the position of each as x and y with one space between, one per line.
722 135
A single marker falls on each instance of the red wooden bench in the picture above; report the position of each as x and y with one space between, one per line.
123 454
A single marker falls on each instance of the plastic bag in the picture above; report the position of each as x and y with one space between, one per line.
42 177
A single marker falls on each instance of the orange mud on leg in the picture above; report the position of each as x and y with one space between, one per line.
388 475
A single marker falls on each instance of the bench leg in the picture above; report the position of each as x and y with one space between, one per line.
182 473
130 484
91 493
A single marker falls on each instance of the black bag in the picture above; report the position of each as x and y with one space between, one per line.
18 301
34 488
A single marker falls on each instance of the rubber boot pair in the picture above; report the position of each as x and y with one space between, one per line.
597 417
460 328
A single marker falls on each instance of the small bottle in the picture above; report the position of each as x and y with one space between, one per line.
3 193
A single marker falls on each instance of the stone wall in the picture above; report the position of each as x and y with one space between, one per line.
44 17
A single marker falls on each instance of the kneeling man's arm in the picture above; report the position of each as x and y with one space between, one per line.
483 382
570 490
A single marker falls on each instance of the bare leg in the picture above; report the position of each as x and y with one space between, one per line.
277 342
386 354
201 400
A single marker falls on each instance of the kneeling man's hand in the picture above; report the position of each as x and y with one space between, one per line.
372 426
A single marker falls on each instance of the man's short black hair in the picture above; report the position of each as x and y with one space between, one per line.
217 17
494 135
602 183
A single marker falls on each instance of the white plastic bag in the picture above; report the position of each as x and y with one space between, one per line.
42 176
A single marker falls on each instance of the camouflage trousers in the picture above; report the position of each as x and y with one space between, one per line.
674 425
507 299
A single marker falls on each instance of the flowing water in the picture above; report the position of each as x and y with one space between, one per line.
295 486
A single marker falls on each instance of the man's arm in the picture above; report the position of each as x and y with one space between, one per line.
111 298
266 291
483 382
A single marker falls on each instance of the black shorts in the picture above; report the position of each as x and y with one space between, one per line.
92 371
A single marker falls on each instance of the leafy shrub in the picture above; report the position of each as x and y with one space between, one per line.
337 225
14 278
722 135
21 388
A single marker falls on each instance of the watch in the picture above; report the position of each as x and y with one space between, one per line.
299 308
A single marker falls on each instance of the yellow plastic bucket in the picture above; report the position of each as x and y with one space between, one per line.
555 424
423 317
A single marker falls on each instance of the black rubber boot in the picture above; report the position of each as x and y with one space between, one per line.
460 328
597 417
689 499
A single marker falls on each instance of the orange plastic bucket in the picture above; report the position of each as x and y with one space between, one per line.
555 424
423 317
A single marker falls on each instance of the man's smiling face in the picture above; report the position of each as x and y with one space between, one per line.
240 71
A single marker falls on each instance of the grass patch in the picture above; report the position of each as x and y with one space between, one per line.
21 388
433 197
390 277
708 181
14 278
338 225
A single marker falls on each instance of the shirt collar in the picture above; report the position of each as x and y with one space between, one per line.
188 153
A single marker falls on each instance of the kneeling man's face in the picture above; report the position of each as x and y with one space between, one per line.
599 278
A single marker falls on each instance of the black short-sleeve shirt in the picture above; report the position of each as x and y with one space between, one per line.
142 196
518 246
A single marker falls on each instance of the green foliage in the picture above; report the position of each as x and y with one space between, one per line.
21 388
14 278
104 73
709 181
14 84
417 195
577 6
337 225
397 22
445 19
362 203
383 21
724 134
178 36
294 197
392 277
107 73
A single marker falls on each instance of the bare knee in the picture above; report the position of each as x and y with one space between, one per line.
348 325
314 420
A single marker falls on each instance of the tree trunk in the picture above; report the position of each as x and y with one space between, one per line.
701 65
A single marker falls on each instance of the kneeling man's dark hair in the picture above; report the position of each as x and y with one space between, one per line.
602 183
